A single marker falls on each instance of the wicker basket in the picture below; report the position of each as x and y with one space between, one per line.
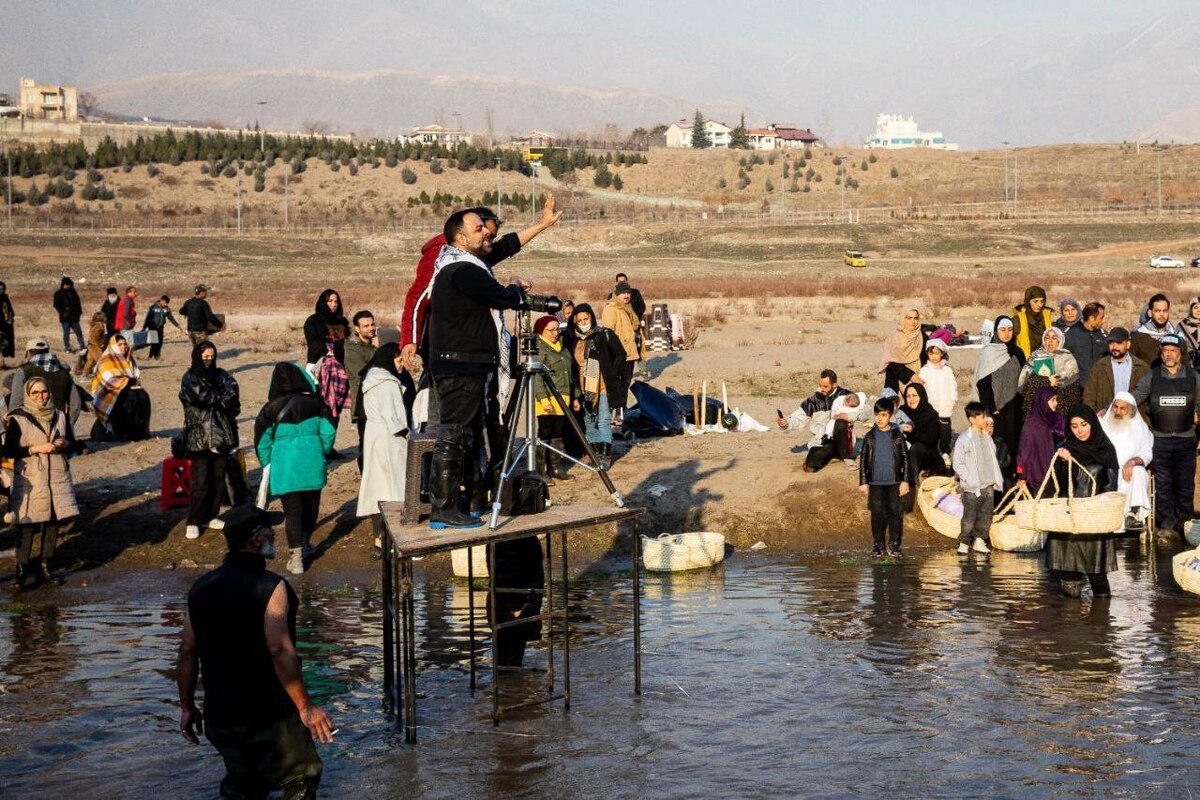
945 524
683 551
1186 569
1006 534
1102 513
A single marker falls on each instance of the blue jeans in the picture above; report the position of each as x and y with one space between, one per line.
67 327
597 424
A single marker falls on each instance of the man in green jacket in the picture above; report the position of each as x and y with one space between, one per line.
360 349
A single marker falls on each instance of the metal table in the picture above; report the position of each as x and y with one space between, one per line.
408 541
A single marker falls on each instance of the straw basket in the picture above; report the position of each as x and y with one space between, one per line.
683 551
1186 569
1102 513
479 562
1006 533
940 521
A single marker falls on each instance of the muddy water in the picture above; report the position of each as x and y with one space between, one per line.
765 677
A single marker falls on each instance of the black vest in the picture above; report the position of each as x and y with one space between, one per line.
1172 401
462 330
227 607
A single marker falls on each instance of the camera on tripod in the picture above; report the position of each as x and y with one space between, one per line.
544 303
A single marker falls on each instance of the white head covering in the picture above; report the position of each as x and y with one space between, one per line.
1131 437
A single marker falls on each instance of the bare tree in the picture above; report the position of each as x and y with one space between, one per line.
316 127
86 103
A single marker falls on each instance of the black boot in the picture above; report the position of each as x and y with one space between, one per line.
445 477
559 467
604 453
46 575
23 577
543 465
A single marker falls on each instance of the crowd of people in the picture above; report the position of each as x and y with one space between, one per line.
1057 405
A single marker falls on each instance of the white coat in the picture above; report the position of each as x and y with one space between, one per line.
385 454
941 387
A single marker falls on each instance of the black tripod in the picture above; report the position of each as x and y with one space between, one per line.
524 400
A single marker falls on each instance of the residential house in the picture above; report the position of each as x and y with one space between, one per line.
893 131
437 134
679 134
535 139
38 101
789 137
762 139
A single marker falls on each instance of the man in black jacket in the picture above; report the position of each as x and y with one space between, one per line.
200 317
463 352
70 309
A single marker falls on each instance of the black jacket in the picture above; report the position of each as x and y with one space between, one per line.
603 345
866 458
462 332
68 305
199 315
211 405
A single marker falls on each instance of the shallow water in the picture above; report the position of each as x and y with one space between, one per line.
765 677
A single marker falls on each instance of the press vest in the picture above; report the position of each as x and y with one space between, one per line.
227 607
1172 401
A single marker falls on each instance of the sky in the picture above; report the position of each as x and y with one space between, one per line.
981 70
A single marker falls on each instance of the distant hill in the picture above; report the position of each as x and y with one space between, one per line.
390 102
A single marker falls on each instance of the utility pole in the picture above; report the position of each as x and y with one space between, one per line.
1014 183
1158 175
8 161
262 139
499 207
1005 143
239 202
287 172
533 165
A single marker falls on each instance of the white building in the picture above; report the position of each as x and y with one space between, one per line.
679 134
437 134
893 131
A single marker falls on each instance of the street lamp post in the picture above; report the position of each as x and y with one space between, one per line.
1158 175
1005 143
262 139
499 207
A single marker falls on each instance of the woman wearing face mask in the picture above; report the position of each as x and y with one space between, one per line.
553 408
599 362
211 404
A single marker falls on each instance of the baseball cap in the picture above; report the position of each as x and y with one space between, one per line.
38 343
242 521
1118 335
1171 340
202 287
622 287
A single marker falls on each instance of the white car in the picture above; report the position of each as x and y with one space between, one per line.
1165 262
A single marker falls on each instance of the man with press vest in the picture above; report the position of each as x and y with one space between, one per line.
1171 392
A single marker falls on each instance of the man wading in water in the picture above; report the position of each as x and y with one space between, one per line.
240 632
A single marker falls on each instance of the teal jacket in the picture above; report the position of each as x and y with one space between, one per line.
293 434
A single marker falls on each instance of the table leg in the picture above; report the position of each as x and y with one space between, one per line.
566 581
491 555
637 609
410 653
550 612
389 655
471 612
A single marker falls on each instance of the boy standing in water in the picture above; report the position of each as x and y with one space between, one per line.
883 477
979 477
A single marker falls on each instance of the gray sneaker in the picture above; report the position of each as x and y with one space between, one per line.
295 563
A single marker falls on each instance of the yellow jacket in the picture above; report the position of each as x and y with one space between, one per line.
1021 323
620 319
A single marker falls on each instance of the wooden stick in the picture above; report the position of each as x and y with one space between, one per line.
724 399
695 407
704 404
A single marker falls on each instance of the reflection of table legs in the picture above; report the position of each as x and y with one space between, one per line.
637 608
408 637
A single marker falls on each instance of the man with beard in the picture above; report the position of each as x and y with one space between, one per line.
1147 336
1134 443
1119 371
814 414
239 637
1086 339
1171 391
464 354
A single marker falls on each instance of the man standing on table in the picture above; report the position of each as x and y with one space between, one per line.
240 636
464 353
1171 391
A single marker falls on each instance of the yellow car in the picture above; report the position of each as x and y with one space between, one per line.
853 258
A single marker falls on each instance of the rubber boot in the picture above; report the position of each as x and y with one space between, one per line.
604 453
23 577
46 575
1072 588
543 466
559 466
474 500
445 477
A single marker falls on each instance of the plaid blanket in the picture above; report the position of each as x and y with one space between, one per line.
333 384
113 374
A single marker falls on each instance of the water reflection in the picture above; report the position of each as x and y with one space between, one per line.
941 676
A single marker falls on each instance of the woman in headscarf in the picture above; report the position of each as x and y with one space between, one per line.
1189 329
1069 312
1086 450
292 437
996 373
599 370
326 327
553 408
903 352
1064 380
384 439
923 433
8 319
1039 437
121 402
39 438
1031 319
211 403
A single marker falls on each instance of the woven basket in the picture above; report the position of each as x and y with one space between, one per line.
1006 534
1102 513
1186 569
945 524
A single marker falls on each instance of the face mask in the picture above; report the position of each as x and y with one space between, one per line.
583 328
267 550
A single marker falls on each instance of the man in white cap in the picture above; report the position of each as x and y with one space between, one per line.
1134 443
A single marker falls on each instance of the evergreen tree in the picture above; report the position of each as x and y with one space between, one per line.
603 178
617 183
700 139
739 139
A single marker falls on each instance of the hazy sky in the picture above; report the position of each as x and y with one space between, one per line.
1054 70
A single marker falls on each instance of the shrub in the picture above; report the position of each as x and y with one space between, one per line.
872 158
801 164
743 182
299 165
203 169
435 167
152 170
818 177
174 158
54 171
407 175
603 178
353 169
334 166
806 188
260 181
770 187
837 161
69 175
617 183
895 172
808 153
61 189
391 160
36 196
721 183
230 171
864 165
94 175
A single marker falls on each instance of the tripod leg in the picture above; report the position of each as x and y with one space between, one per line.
510 442
587 446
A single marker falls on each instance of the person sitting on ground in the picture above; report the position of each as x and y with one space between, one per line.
1146 337
1134 444
997 370
384 437
38 438
903 352
942 389
1031 319
815 412
293 436
600 379
1064 377
923 434
837 437
883 476
1087 449
157 317
41 363
121 402
1119 371
97 336
1069 313
1039 438
211 402
1087 340
553 408
1004 456
899 417
979 478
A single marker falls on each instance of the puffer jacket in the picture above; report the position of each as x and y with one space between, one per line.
211 404
42 488
293 433
559 362
619 318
